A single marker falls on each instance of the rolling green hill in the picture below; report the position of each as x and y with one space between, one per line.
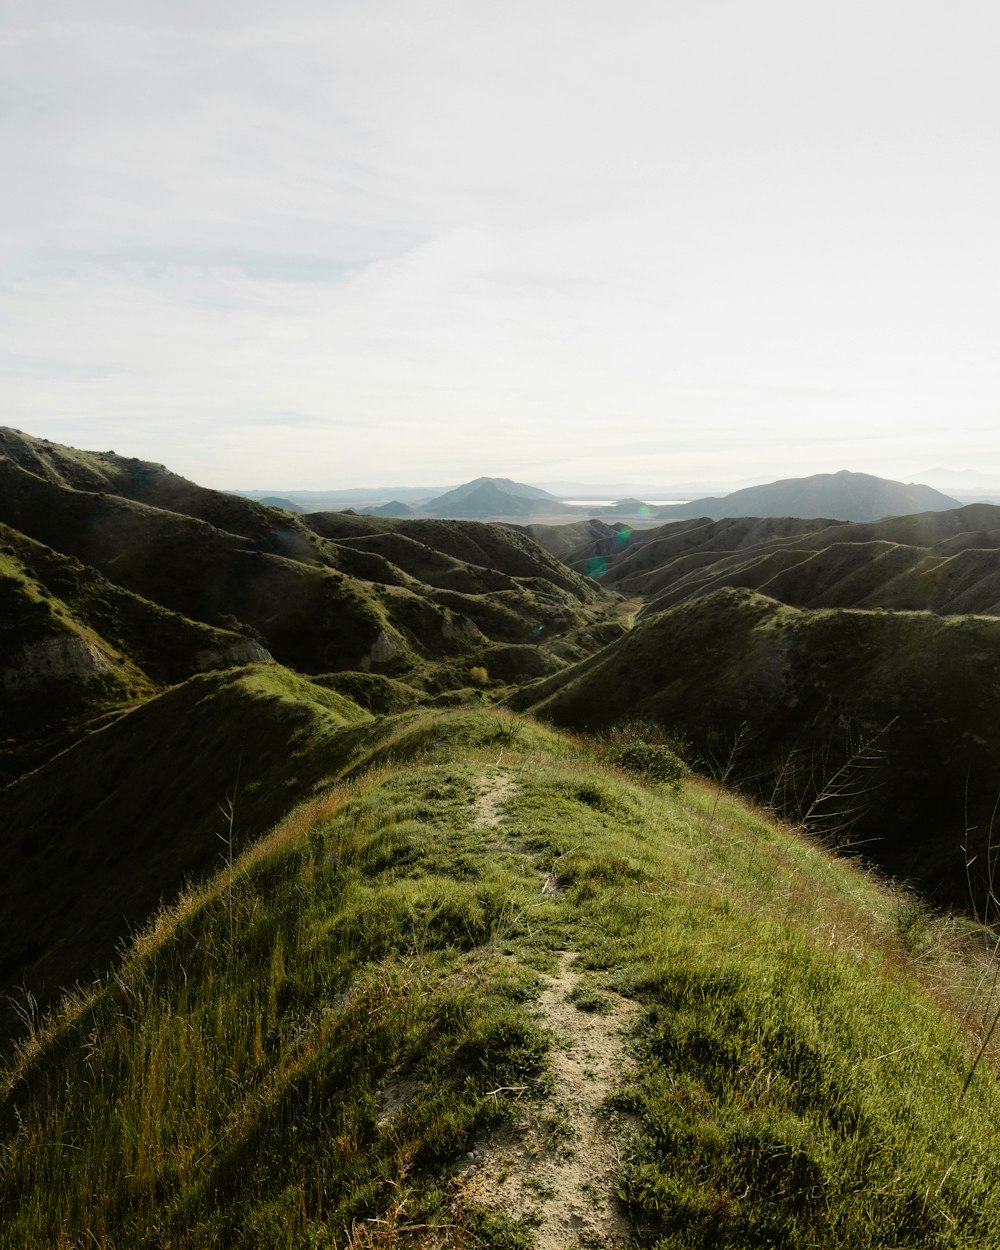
308 939
96 837
322 594
880 725
507 1001
937 561
74 647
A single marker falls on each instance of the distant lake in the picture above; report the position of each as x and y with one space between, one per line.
610 503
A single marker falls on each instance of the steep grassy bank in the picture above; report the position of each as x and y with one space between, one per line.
305 1051
880 725
98 835
932 561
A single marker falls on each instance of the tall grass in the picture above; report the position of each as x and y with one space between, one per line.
306 1061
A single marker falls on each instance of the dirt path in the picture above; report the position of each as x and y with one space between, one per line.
492 791
555 1167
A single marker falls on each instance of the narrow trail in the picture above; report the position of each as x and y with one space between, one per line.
555 1166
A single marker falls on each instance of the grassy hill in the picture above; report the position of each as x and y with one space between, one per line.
74 648
99 834
880 724
491 994
936 561
365 959
321 594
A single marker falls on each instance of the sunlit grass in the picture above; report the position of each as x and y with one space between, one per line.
801 1051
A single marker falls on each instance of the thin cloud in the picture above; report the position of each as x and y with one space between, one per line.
679 234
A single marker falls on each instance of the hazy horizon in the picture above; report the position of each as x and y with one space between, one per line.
341 245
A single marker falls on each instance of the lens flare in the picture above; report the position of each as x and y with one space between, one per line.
595 566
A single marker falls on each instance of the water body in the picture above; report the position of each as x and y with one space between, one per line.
610 503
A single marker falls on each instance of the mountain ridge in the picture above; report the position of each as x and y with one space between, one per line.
842 496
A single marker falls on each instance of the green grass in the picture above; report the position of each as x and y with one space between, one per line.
302 1051
96 837
778 699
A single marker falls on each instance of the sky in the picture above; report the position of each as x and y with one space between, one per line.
355 242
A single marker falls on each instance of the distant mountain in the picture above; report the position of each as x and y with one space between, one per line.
277 501
392 508
842 496
490 497
335 500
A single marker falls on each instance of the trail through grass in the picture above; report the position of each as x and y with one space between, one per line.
310 1058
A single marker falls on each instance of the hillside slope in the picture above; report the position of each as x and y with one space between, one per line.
845 496
937 561
96 837
75 647
399 1020
781 700
315 604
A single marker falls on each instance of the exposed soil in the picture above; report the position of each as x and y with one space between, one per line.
491 793
555 1167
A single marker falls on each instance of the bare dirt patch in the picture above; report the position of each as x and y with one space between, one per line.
492 790
556 1167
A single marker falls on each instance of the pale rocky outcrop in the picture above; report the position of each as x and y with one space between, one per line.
246 651
461 627
54 659
386 647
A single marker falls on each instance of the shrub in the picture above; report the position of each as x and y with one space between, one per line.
650 761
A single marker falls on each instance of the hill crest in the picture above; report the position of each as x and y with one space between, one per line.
840 496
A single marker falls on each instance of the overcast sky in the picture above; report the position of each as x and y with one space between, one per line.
360 241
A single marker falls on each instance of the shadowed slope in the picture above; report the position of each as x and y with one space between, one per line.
74 646
941 562
96 837
318 605
785 697
153 484
495 548
331 1044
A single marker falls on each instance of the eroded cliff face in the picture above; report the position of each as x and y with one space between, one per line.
246 651
384 649
54 659
70 657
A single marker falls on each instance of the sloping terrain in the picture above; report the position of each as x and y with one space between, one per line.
75 647
321 594
943 562
96 837
881 725
515 1002
845 496
363 962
